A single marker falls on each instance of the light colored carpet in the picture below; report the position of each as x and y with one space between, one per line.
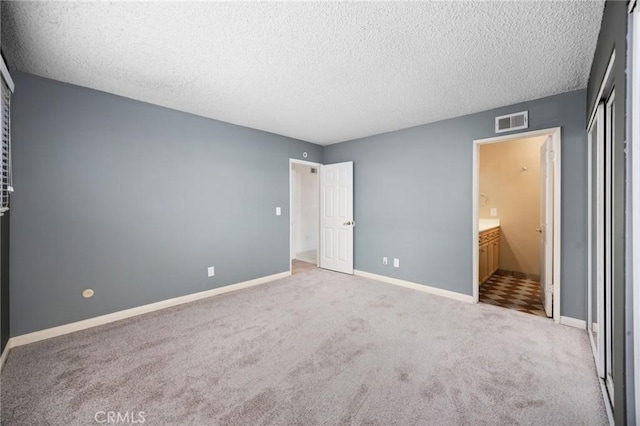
315 348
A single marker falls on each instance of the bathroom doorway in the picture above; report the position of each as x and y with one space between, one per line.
305 212
509 219
516 214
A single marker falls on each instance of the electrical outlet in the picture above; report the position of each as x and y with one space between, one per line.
211 271
396 263
385 261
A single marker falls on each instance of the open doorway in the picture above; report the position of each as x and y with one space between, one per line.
509 215
516 213
305 215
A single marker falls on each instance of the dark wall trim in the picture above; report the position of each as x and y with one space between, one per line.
4 280
4 273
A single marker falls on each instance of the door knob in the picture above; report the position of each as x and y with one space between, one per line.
539 230
348 223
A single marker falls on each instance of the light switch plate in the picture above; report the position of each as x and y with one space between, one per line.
278 211
396 263
385 261
211 271
494 212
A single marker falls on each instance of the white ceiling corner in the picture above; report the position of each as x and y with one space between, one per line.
323 72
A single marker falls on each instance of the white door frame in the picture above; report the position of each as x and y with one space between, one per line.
293 161
556 139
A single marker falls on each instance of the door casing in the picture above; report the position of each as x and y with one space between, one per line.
293 161
556 138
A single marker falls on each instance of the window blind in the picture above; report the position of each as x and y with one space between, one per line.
6 184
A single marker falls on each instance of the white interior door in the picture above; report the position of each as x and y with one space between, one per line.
336 217
546 227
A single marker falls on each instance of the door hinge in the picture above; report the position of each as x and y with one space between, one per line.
552 155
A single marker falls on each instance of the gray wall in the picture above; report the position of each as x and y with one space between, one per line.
135 201
613 34
413 197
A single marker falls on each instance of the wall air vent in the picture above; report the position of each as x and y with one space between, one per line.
507 123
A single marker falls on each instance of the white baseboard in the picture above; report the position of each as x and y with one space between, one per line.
420 287
5 353
139 310
573 322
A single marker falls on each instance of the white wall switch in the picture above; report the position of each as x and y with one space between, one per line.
494 212
396 263
211 271
278 211
385 261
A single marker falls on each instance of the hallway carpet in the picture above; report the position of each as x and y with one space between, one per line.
299 266
316 348
310 256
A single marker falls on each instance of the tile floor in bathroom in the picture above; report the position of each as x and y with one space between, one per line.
513 293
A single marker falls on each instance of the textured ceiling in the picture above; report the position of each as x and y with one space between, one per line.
323 72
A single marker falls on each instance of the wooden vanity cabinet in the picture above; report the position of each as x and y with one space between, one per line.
489 253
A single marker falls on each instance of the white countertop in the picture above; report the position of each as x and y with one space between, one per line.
484 224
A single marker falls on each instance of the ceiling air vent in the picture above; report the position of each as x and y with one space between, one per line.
506 123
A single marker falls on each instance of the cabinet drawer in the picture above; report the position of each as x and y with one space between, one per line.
489 253
489 235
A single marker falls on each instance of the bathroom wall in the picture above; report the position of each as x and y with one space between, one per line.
515 193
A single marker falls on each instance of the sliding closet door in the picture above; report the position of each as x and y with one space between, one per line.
601 309
609 305
595 233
